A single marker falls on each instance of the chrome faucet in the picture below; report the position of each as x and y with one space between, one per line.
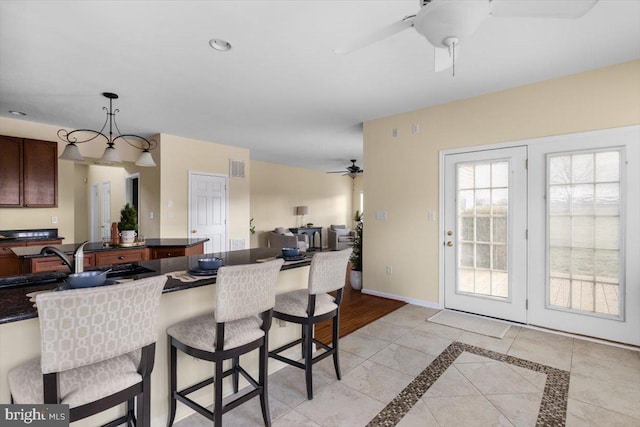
78 256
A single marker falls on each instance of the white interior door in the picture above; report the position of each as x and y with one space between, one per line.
208 210
585 214
485 253
105 210
95 233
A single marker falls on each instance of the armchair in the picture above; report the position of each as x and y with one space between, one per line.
283 238
339 237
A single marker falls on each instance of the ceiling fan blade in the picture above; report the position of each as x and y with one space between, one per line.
381 34
541 9
443 58
337 172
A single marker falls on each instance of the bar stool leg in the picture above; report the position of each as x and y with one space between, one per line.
235 375
263 378
173 382
217 392
308 347
130 412
304 340
143 407
336 356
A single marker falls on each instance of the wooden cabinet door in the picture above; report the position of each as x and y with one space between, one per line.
53 263
40 173
9 262
121 257
10 171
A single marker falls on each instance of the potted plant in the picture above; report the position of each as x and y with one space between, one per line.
356 255
128 224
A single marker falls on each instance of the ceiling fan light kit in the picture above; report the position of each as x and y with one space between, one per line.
447 23
351 171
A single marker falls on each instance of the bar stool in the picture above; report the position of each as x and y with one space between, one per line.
97 351
307 307
245 295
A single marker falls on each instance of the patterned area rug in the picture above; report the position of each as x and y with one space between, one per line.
553 407
469 323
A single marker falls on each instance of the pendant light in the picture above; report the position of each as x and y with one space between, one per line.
110 156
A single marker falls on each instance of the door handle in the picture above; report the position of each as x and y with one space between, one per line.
449 243
194 231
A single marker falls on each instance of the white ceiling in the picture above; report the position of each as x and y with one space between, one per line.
281 91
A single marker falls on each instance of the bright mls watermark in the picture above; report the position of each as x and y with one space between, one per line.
34 415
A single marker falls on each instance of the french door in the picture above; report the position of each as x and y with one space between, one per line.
485 249
556 245
585 256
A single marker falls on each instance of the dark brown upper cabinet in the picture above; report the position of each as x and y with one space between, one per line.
28 173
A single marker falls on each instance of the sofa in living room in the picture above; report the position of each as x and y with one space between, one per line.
281 237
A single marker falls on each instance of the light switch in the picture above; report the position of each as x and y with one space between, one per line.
381 216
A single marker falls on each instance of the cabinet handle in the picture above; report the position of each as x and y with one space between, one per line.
121 257
169 254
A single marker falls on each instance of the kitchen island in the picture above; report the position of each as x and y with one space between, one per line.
20 333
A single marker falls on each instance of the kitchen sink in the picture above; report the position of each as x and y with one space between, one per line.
121 270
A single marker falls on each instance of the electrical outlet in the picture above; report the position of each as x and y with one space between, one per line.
150 214
432 216
54 220
415 129
389 270
394 132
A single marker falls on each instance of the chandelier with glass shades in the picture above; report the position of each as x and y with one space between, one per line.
80 136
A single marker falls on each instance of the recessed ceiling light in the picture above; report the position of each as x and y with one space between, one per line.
17 113
219 44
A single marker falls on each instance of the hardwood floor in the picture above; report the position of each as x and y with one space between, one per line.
357 310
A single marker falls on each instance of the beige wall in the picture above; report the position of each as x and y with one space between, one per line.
277 189
181 155
403 177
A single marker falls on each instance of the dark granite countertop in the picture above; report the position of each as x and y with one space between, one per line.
15 305
29 235
69 248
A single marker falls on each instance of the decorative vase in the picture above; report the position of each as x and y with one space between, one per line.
128 236
355 278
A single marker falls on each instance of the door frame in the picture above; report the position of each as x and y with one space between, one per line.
441 200
514 306
226 203
529 143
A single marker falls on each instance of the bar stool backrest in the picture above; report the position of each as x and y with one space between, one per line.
328 271
79 327
246 290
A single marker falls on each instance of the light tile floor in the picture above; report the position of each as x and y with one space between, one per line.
381 359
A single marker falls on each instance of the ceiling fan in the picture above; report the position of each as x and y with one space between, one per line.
353 171
448 23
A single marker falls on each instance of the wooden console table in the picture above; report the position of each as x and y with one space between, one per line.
311 232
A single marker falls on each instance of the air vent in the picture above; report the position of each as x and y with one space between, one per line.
237 244
236 168
423 3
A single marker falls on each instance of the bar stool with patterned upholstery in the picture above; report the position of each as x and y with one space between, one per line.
313 305
240 323
97 351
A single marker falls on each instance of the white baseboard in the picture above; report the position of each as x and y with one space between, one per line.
421 303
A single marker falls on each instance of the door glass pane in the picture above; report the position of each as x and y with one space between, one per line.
482 217
583 208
